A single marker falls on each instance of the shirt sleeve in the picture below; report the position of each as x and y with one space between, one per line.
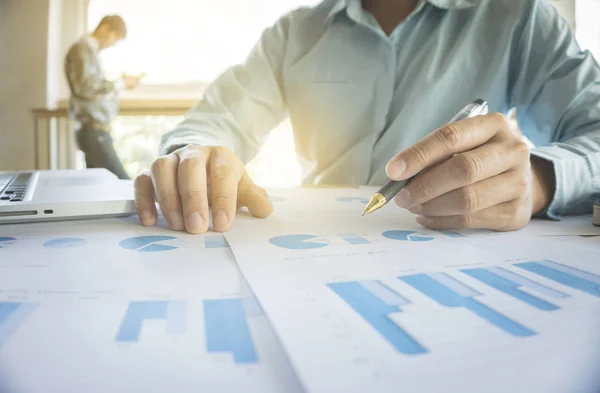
556 90
242 105
83 77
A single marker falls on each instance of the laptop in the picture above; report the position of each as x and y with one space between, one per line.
63 195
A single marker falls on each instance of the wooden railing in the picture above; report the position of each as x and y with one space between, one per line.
58 131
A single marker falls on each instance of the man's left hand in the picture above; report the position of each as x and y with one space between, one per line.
476 173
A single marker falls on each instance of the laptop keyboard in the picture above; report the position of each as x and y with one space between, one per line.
14 187
4 180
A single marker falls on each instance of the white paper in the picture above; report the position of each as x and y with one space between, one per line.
332 283
313 201
80 286
590 243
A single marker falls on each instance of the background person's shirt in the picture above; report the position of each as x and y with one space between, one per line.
94 99
356 97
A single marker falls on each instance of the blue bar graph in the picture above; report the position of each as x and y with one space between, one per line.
12 315
173 312
450 292
374 301
227 329
452 234
510 283
566 275
354 239
215 242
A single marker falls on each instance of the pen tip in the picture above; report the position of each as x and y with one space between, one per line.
364 213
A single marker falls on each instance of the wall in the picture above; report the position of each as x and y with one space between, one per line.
567 9
23 77
588 28
34 37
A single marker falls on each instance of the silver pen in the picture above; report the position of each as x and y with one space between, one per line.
391 188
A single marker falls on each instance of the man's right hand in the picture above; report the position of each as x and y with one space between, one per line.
190 179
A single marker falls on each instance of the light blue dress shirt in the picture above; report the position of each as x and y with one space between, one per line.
356 97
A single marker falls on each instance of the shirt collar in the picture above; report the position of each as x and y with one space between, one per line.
93 42
341 5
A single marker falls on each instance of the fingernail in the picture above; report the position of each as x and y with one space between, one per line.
421 219
395 169
176 221
220 220
195 223
414 209
146 217
403 199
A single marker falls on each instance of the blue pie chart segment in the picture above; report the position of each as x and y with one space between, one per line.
65 242
147 243
420 238
6 241
296 242
406 236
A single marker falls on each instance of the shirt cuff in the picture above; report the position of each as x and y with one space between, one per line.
573 182
180 138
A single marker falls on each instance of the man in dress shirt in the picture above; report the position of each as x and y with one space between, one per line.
94 99
368 87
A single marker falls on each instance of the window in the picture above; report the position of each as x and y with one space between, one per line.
587 26
189 43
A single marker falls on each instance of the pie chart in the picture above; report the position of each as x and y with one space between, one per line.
296 242
65 242
407 236
148 243
6 241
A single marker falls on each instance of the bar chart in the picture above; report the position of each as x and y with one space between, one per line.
12 315
510 283
566 275
173 313
449 292
375 301
227 329
215 242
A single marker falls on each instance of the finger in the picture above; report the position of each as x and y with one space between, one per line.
164 176
191 183
503 217
254 197
444 142
495 190
225 175
144 199
464 169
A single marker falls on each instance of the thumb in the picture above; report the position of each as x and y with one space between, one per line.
254 198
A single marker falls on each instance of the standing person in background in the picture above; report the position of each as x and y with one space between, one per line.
94 99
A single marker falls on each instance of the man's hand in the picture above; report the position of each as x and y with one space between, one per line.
477 173
131 81
188 180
